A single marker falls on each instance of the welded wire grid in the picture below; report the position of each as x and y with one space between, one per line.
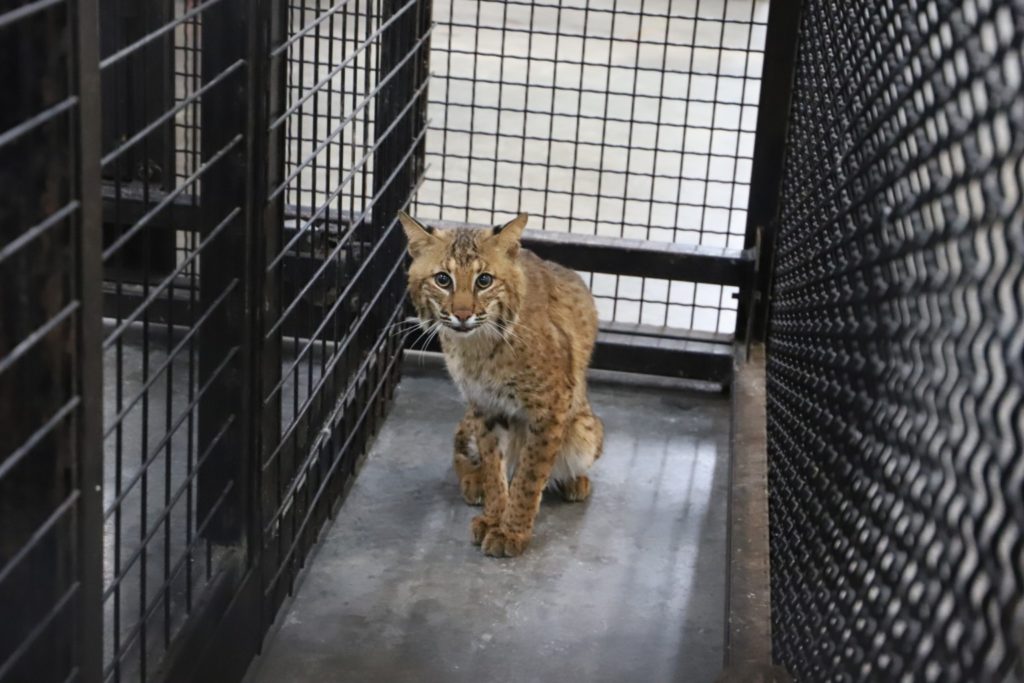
896 349
602 117
187 86
159 370
355 90
41 399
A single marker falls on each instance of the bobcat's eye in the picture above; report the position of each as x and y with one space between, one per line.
443 280
484 280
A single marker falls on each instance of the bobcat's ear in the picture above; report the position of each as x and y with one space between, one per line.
509 234
419 235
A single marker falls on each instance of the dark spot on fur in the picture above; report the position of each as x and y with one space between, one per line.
496 421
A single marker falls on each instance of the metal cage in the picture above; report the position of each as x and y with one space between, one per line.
201 291
206 282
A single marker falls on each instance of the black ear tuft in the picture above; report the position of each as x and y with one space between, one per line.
496 230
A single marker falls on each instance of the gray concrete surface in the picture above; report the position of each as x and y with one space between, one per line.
629 586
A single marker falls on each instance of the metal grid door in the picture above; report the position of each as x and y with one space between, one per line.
202 289
349 127
896 347
618 126
174 189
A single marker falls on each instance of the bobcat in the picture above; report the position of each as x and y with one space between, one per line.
517 334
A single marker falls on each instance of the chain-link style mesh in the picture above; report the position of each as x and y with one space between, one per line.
896 347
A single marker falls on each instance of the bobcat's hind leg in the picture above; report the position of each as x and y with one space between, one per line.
583 445
466 461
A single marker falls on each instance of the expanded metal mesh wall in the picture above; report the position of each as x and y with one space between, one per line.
896 347
602 117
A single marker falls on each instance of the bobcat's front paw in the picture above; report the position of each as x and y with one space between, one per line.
575 491
480 527
472 488
505 543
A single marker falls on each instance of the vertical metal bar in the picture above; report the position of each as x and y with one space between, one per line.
224 118
90 330
425 19
268 222
767 166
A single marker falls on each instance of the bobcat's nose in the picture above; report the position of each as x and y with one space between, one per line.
463 314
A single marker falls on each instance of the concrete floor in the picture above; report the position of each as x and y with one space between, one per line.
629 586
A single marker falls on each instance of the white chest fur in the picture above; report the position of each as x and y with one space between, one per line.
481 388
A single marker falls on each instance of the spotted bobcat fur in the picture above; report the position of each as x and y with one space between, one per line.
517 334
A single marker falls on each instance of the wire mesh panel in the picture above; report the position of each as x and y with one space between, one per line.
349 125
602 117
222 343
49 463
174 202
896 347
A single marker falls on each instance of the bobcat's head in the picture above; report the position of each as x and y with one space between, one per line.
463 281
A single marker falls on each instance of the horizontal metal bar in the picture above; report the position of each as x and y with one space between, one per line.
31 340
169 198
38 229
150 37
38 534
621 256
663 356
126 203
167 281
12 134
14 458
38 630
25 11
668 332
171 113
